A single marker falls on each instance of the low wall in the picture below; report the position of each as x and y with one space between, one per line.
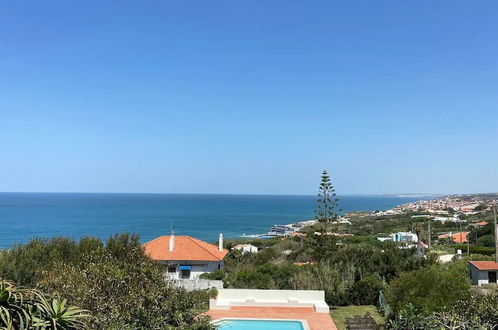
198 284
270 298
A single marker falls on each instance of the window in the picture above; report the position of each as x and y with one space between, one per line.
171 269
185 273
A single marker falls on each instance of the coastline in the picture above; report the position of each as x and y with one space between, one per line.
24 216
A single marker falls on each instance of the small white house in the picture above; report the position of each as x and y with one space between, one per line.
186 257
404 237
483 272
400 237
246 248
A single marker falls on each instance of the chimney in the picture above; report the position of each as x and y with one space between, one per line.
171 242
220 242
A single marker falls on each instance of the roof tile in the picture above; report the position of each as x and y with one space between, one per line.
186 248
485 265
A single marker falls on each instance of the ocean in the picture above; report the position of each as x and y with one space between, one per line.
27 215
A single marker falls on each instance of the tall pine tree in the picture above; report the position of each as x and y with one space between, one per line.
327 202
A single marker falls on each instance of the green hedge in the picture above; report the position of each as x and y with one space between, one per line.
475 249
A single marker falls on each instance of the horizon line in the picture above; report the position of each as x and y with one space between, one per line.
241 194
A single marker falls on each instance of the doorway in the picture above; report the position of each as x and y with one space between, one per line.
492 277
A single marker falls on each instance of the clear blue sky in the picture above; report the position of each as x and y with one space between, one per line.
249 96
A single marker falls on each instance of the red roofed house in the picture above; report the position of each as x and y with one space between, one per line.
185 256
460 237
483 272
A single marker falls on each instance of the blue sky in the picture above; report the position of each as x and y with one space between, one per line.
249 97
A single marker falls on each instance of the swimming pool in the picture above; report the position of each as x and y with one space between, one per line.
232 324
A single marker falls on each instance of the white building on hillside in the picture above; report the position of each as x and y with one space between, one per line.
454 218
186 257
401 237
483 272
246 248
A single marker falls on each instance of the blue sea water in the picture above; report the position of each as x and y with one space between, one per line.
27 215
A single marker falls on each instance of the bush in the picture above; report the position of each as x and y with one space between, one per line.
322 277
216 275
428 290
23 263
487 241
254 280
366 291
481 231
475 249
477 312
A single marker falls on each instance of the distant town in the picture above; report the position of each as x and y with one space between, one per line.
459 204
448 208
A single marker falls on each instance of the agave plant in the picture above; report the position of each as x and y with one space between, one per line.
56 314
30 309
12 302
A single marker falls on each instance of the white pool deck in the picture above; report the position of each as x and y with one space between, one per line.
228 298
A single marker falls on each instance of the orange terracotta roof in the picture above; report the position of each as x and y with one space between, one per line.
303 263
485 265
186 248
456 237
482 223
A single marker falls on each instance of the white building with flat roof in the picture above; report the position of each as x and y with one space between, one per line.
246 248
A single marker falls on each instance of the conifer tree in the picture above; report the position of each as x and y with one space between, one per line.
327 202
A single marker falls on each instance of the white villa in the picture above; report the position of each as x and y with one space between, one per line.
186 257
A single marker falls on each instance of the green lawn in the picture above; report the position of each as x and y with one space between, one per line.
339 314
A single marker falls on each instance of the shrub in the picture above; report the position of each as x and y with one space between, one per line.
322 277
475 249
216 275
428 290
254 279
487 241
27 309
23 263
366 291
477 312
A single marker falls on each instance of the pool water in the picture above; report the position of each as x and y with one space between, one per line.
259 324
